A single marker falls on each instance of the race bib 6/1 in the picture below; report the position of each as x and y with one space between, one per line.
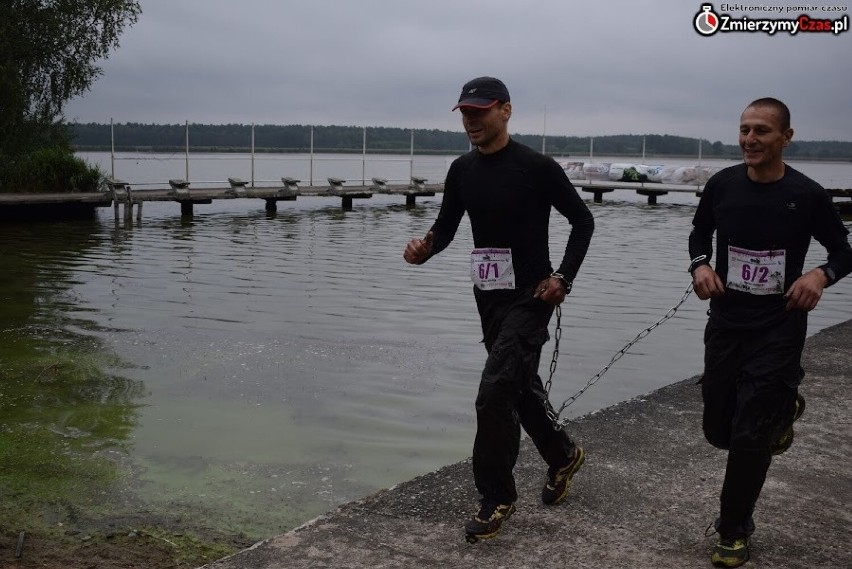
491 269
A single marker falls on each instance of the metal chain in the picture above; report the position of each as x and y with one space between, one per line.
554 414
557 336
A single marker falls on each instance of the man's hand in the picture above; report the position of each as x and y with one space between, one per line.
804 294
551 290
706 282
418 250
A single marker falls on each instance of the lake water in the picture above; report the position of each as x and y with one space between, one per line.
291 362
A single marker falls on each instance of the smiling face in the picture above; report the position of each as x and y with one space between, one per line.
487 129
763 136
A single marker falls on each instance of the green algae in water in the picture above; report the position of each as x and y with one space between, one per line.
64 426
59 413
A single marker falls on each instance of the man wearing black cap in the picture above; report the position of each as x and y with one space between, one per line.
508 191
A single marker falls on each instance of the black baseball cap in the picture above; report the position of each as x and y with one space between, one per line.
483 93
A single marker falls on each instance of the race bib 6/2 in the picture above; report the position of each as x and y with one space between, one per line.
756 272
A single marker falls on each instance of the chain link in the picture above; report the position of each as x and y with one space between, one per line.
557 335
555 414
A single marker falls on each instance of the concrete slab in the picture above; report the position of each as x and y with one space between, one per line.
646 494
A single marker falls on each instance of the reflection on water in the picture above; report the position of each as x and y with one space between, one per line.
64 404
291 362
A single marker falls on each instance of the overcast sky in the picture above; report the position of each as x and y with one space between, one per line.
572 68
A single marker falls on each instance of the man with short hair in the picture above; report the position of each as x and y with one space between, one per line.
508 191
764 214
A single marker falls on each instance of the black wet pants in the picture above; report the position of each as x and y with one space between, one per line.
511 394
749 388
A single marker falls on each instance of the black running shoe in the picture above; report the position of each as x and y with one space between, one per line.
488 522
786 440
559 480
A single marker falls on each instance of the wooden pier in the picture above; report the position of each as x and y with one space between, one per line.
651 190
117 193
180 191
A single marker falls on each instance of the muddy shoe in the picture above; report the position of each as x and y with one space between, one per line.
488 522
730 552
559 480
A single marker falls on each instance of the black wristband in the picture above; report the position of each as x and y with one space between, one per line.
696 262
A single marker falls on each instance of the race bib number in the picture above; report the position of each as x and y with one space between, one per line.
491 269
756 272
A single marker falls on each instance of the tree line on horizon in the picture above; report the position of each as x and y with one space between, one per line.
297 138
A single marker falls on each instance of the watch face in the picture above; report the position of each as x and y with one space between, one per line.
830 274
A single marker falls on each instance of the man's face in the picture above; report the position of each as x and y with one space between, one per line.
762 137
487 128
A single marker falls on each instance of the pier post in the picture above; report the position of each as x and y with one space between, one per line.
597 192
652 195
120 192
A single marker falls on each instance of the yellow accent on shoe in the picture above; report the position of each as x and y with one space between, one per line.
785 441
480 527
730 552
559 483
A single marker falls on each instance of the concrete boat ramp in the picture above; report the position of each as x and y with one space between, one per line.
646 494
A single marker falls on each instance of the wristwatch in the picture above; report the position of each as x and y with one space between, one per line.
829 273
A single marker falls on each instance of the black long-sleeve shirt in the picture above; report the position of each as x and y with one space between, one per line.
507 196
776 216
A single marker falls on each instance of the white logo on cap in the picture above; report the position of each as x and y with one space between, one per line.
472 91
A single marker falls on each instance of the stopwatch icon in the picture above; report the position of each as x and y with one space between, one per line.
706 21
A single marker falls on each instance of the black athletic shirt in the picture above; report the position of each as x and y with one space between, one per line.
507 196
781 215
